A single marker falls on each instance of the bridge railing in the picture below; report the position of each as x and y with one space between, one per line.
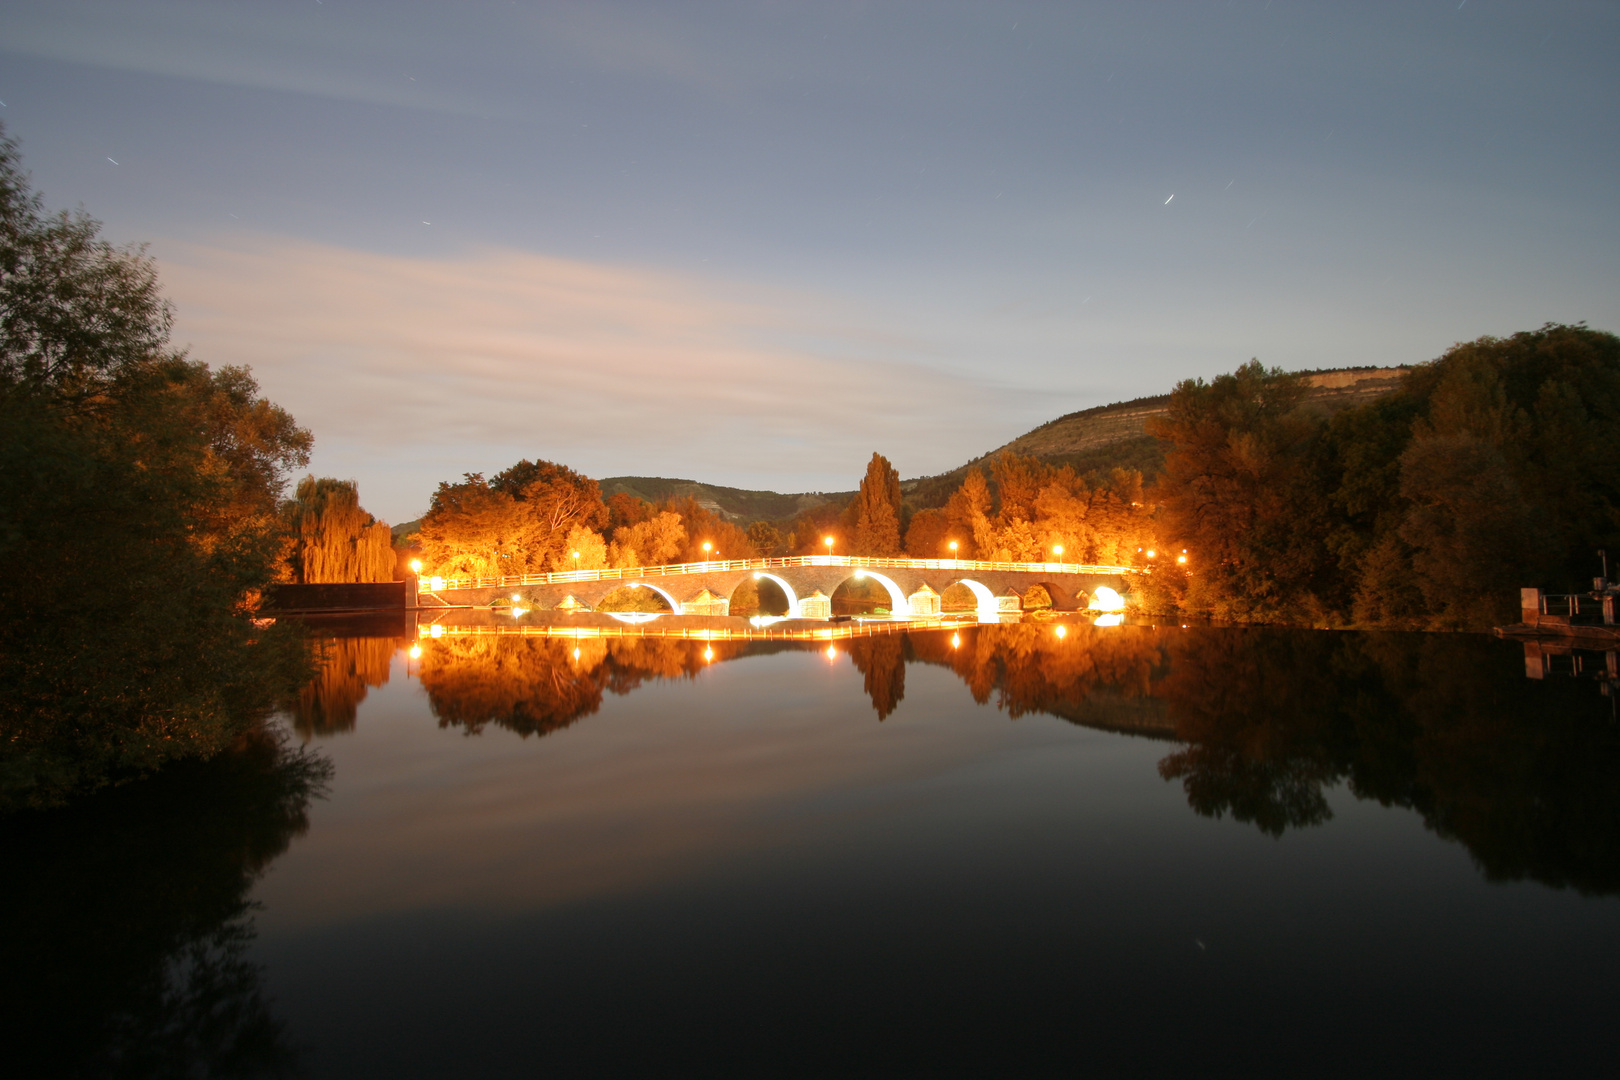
631 573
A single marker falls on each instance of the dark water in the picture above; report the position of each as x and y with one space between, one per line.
987 851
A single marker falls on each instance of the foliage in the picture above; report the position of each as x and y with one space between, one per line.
657 539
1494 467
142 494
335 539
518 522
874 514
1238 493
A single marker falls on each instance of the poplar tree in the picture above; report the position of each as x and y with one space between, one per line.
876 510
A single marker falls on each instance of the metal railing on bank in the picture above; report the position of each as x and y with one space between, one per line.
631 573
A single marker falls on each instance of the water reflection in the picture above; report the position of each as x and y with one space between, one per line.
1267 722
125 920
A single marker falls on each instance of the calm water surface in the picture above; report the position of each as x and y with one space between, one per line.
983 851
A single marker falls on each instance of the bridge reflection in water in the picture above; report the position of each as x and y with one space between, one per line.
1259 724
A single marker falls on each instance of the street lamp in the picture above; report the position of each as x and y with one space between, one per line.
829 542
416 566
1057 549
953 549
575 554
706 547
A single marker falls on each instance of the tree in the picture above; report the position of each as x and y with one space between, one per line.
1240 492
141 489
766 538
654 541
968 514
929 535
875 513
583 549
518 522
336 539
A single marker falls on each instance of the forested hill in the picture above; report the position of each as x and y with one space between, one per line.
1115 436
1104 437
738 504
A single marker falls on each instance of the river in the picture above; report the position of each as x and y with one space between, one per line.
1045 848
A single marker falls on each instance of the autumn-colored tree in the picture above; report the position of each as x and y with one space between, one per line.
652 541
518 522
967 513
726 539
582 549
874 516
334 538
928 536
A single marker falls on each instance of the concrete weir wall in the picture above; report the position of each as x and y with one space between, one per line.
340 596
1069 591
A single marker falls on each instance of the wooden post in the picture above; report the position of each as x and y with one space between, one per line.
1530 606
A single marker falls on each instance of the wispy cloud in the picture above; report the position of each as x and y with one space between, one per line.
495 352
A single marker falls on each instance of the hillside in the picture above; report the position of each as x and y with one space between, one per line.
1115 436
738 504
1103 437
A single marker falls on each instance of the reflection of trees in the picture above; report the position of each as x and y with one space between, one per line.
1031 669
350 666
534 686
125 923
882 663
1521 772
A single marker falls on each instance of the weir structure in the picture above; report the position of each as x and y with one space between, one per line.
705 588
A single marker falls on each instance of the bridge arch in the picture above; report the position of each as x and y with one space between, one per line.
674 604
787 590
987 611
899 604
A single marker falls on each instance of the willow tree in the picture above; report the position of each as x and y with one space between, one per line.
335 539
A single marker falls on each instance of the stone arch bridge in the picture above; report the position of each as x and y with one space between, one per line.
705 588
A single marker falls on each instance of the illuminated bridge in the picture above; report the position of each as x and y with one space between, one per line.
809 581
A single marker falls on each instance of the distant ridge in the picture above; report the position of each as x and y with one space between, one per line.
1101 437
738 504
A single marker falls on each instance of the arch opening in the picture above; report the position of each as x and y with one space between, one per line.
985 600
639 596
868 593
764 594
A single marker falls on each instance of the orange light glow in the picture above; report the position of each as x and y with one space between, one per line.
1152 554
832 653
1181 558
956 641
708 654
416 566
416 652
1057 549
1062 632
576 652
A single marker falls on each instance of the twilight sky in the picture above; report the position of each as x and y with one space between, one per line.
751 243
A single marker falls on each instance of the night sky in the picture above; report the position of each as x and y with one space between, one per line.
752 243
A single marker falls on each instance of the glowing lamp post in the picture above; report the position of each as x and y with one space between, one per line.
706 547
953 550
829 542
1057 551
416 566
575 556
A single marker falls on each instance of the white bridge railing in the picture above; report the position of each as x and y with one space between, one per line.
616 573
